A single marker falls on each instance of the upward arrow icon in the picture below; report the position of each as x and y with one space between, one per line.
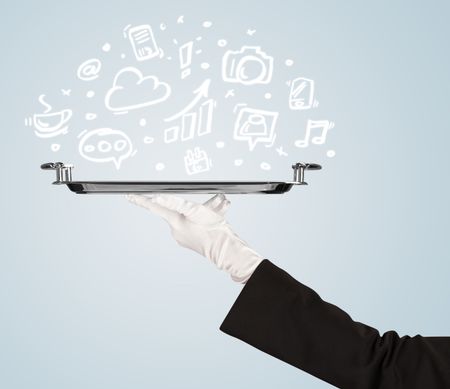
200 92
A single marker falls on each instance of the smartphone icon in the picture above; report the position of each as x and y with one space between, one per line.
143 42
301 95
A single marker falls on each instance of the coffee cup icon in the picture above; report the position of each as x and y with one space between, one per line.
49 124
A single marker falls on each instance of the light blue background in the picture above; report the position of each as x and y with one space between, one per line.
95 293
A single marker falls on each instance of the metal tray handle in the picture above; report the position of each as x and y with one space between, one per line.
299 171
63 172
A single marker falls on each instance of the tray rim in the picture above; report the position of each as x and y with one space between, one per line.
232 187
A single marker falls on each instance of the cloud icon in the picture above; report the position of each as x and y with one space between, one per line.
131 90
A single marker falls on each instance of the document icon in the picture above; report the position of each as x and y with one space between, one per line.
143 42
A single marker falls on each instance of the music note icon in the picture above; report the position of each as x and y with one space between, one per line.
313 125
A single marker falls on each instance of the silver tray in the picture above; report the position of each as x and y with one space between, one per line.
64 177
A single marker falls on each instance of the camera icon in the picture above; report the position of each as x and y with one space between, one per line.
248 66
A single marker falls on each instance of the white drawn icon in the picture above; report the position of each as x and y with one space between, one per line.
66 92
55 147
315 125
49 124
289 62
250 32
230 93
131 90
281 152
255 126
89 70
265 166
105 145
185 53
194 119
248 66
142 42
301 95
197 161
222 42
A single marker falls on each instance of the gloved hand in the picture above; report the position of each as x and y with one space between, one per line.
203 228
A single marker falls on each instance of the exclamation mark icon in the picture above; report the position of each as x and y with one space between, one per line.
185 52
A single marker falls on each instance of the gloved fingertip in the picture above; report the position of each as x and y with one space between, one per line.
139 199
222 207
130 198
217 200
224 198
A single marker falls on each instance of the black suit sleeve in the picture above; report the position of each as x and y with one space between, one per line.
286 319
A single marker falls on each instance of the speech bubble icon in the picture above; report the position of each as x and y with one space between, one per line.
105 145
255 126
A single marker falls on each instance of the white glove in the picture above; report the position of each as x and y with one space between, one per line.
203 228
